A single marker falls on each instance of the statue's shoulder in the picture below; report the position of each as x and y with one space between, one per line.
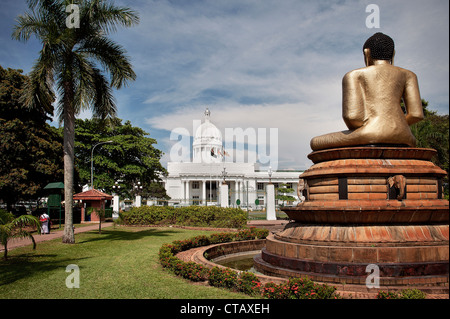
354 74
408 73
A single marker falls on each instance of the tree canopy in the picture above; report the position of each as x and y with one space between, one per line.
75 59
433 132
30 149
129 159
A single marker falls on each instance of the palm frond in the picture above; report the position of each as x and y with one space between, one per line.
26 220
111 56
5 217
45 17
38 89
107 17
104 101
27 25
84 83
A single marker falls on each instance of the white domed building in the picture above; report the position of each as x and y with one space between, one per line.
199 182
207 142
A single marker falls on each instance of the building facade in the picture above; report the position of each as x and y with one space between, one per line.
199 182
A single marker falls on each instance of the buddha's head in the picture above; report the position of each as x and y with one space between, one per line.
379 47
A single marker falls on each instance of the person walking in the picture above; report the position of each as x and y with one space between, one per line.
45 223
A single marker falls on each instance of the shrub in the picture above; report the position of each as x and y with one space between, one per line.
273 291
201 216
222 277
220 238
249 284
246 282
190 270
413 294
403 294
299 288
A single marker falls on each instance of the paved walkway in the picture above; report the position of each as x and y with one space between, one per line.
14 243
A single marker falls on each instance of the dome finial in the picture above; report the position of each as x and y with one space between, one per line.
207 114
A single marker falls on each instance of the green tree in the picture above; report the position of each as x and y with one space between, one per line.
11 227
69 60
131 157
433 132
283 193
30 149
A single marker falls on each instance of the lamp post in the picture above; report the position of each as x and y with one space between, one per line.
137 187
224 191
116 186
224 173
92 161
270 198
137 191
116 206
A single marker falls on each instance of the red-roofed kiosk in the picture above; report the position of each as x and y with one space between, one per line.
92 198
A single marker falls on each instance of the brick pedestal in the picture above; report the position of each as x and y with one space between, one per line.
352 218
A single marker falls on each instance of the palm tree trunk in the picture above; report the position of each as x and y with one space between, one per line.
69 145
5 254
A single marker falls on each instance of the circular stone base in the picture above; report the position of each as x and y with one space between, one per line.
353 218
342 254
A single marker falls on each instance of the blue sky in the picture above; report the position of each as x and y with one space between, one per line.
257 63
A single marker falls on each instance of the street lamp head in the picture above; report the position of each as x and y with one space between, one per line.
224 173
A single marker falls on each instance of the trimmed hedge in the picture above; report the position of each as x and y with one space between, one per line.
199 216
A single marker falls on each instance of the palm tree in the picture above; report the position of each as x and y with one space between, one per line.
74 60
11 227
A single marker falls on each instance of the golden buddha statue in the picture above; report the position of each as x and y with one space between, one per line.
371 98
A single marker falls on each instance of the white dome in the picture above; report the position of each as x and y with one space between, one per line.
207 133
207 142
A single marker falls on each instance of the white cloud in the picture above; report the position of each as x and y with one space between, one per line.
260 63
279 64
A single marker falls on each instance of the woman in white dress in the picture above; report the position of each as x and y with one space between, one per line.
45 220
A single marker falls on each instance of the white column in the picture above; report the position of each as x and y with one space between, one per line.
252 196
204 200
138 201
270 198
187 193
115 207
241 191
224 195
236 191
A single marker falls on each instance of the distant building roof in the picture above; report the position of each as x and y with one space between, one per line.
56 185
92 194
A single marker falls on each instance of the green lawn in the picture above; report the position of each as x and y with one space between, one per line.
121 263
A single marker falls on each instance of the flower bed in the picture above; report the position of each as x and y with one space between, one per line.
245 282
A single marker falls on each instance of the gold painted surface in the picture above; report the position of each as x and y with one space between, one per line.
371 109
